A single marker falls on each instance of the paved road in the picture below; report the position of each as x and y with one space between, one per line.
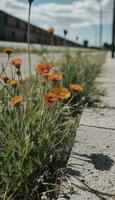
93 154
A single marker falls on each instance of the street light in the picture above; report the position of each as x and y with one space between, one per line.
113 32
100 23
77 38
65 31
28 35
95 34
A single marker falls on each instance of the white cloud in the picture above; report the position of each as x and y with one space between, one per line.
79 13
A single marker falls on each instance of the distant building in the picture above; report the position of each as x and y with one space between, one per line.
14 29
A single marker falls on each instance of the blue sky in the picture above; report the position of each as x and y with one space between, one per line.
80 17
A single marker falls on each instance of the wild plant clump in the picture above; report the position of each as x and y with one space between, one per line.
39 116
35 123
84 69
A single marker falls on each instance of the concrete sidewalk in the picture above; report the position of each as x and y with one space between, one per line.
92 160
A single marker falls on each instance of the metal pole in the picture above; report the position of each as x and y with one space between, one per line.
95 36
101 25
113 32
28 38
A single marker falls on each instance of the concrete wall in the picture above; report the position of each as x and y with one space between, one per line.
2 22
14 29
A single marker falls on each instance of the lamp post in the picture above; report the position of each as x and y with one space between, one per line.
77 38
113 32
28 36
65 34
95 35
100 23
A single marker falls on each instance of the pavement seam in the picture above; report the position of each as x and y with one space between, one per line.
106 107
99 127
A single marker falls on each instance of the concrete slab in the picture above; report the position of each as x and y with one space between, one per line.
92 160
107 81
101 118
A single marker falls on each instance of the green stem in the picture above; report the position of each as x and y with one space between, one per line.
64 41
11 72
6 88
28 38
7 62
52 44
3 69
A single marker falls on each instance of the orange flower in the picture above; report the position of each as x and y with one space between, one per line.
44 68
50 98
51 30
62 93
76 87
5 79
16 62
55 77
8 51
16 100
13 83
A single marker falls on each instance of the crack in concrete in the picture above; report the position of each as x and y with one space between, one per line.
106 107
100 127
